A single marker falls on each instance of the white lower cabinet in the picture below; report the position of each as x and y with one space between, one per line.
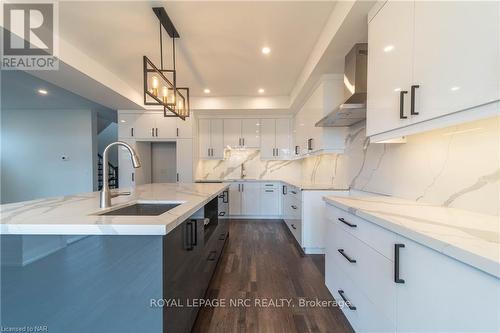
254 199
431 292
442 294
270 204
250 203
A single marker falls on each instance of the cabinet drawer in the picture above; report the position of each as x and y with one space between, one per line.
295 209
270 185
294 193
376 237
295 226
365 317
371 273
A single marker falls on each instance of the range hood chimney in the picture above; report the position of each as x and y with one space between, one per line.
353 110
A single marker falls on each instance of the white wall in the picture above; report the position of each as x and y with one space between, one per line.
33 142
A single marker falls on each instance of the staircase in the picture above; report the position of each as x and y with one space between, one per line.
112 174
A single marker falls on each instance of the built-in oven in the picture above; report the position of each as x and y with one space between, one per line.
224 203
223 198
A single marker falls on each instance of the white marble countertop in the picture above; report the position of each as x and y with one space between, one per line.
304 186
467 236
78 214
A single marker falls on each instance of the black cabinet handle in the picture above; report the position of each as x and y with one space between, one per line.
396 263
132 131
156 130
294 207
177 131
310 144
341 219
284 189
293 192
297 150
194 232
347 302
222 213
412 98
189 236
152 132
243 140
293 226
402 104
269 190
341 251
212 255
225 197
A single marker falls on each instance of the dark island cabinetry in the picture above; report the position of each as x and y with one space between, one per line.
190 254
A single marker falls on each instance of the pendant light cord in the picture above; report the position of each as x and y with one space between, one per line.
161 49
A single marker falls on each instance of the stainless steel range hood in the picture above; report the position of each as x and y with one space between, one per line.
353 110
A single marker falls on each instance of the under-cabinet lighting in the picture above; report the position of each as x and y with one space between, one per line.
266 50
261 91
206 91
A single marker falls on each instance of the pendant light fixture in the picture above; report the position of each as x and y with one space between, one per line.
160 84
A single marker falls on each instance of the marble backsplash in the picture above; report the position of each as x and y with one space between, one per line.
255 168
456 167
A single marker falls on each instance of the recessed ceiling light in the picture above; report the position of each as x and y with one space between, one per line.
206 91
266 50
261 91
42 92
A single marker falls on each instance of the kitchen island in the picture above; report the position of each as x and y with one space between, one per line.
67 267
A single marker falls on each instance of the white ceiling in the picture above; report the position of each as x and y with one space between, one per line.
220 44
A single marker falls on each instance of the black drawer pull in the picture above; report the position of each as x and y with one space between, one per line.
412 98
347 302
269 190
341 219
293 226
402 104
293 192
294 207
341 251
396 263
212 255
222 213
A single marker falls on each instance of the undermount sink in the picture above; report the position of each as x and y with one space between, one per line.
143 209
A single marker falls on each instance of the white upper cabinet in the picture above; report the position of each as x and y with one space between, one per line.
250 133
211 142
275 138
153 125
241 133
126 125
428 60
232 132
456 56
390 51
165 127
184 128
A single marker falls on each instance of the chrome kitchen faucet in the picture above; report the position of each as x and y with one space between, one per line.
106 194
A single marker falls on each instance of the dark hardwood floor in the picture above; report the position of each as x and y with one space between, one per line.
262 262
